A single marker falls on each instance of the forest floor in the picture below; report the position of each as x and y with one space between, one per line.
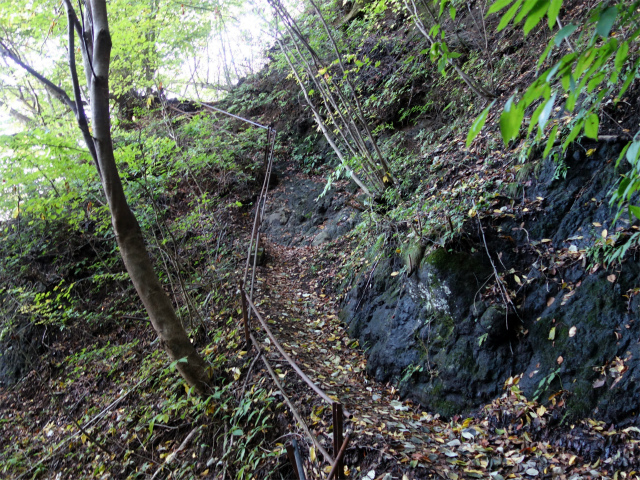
391 438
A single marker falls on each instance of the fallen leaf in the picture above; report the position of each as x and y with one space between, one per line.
393 274
611 278
560 360
599 383
550 301
572 331
552 333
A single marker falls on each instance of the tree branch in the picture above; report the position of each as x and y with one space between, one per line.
79 111
58 92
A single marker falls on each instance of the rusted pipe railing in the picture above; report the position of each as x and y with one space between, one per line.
337 437
286 356
260 206
338 466
295 413
248 307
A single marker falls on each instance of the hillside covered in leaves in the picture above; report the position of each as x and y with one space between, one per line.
449 239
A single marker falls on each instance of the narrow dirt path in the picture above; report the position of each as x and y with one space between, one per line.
305 322
391 439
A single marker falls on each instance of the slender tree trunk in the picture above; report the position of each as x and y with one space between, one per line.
127 230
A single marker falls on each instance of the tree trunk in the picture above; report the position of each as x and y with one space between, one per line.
127 230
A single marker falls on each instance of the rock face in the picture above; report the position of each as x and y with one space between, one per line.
298 215
576 329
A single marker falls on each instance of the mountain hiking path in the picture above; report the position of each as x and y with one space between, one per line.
394 439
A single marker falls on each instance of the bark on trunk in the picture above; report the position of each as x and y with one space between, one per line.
127 230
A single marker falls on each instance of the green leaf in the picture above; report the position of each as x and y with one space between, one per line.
591 126
553 12
632 152
550 141
510 121
478 124
534 17
527 6
567 81
577 128
498 5
571 100
634 210
546 112
452 13
595 81
607 19
631 75
564 33
621 55
506 18
237 432
534 118
443 4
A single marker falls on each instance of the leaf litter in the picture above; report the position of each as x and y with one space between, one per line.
510 438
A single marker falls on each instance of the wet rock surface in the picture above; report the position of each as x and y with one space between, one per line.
575 332
298 214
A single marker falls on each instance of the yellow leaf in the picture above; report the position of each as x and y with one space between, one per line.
552 333
541 410
312 454
393 274
572 460
591 151
604 233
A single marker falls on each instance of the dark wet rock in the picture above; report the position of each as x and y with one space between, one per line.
575 331
19 352
298 213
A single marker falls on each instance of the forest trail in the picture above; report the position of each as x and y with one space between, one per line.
393 439
304 319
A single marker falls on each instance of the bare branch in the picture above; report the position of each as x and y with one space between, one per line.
80 115
58 92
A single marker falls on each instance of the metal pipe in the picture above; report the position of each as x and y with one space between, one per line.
294 412
289 359
298 457
343 449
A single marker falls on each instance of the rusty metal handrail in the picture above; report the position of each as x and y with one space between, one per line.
260 206
254 244
295 413
286 356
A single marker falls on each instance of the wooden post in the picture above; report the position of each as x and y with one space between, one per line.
337 438
245 317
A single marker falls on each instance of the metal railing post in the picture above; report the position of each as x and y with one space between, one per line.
337 438
245 316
